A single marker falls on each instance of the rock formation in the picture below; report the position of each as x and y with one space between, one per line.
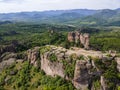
76 65
33 55
103 83
6 63
71 37
118 63
78 37
51 68
81 75
7 59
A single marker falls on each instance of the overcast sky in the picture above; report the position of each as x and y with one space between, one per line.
41 5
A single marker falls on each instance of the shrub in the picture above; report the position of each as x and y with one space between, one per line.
97 85
69 68
53 57
44 49
81 57
101 66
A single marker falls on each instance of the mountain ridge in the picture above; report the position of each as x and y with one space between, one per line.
73 16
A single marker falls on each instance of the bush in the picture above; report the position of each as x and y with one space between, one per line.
97 85
53 57
69 68
44 49
111 75
101 66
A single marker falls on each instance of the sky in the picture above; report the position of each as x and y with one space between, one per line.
7 6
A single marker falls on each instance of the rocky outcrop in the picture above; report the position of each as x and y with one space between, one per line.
78 37
118 63
84 39
71 37
33 55
86 70
76 64
103 83
7 56
6 63
55 67
51 68
81 75
8 59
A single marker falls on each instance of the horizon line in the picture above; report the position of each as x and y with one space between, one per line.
56 10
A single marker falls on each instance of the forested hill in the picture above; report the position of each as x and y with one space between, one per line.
81 17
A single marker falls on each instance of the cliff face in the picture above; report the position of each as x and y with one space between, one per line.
53 60
77 65
78 37
81 75
33 56
85 68
52 68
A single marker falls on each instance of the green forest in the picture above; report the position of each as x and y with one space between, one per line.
31 35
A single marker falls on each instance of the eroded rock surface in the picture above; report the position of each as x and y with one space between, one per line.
75 64
78 37
103 83
118 63
33 55
81 75
51 68
7 59
6 63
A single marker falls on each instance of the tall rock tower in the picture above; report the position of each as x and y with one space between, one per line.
76 37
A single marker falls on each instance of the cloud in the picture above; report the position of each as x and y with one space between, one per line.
40 5
11 1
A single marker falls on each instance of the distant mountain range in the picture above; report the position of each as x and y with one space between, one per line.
72 17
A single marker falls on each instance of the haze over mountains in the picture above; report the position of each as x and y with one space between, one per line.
73 17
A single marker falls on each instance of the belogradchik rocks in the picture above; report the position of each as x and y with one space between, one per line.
8 58
51 68
81 75
33 55
78 37
75 64
85 69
